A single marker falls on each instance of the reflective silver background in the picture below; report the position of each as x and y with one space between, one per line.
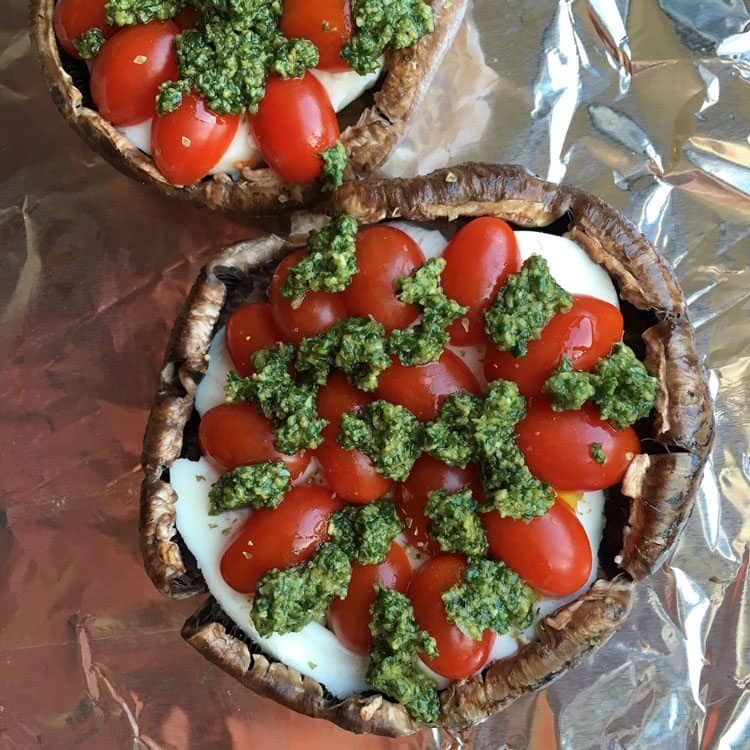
645 103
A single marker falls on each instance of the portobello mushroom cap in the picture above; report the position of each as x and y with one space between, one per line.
644 515
407 75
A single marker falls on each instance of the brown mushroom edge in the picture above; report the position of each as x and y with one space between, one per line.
375 122
644 515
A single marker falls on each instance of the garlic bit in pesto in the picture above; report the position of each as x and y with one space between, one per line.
261 485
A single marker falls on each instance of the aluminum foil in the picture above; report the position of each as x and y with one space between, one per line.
645 103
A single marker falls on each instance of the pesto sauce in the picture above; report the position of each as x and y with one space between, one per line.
365 532
334 164
261 485
596 452
130 12
568 388
89 44
454 523
451 437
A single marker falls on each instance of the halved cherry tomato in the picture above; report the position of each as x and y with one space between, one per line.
478 261
71 18
187 18
427 475
295 123
350 617
127 73
423 388
584 334
317 312
279 537
551 552
189 142
235 435
250 328
326 23
557 447
458 655
383 255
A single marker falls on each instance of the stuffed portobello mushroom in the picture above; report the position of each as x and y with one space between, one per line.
420 449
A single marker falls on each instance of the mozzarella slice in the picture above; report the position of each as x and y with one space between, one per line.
210 392
344 87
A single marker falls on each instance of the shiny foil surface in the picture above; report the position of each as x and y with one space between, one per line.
644 103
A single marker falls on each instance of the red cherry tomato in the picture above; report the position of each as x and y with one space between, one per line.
127 73
187 18
458 655
317 312
478 261
423 388
280 537
189 142
584 334
72 18
350 617
250 328
427 475
326 23
295 122
235 435
383 255
337 396
557 447
551 552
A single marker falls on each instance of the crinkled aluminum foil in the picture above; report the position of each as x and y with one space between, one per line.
646 104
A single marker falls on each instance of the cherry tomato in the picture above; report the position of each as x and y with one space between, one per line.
383 255
337 396
584 334
279 537
478 261
551 552
317 312
458 655
72 18
235 435
189 142
557 447
295 123
423 388
427 475
127 73
250 328
326 23
350 617
187 18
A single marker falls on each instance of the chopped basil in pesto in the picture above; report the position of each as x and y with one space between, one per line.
287 600
425 341
330 263
356 346
524 305
334 164
451 437
595 449
365 532
130 12
568 388
89 44
389 434
379 23
454 523
491 597
397 642
503 408
261 485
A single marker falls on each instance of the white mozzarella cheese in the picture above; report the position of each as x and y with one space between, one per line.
346 86
210 392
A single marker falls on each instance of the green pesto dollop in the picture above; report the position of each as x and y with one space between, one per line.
334 164
451 437
491 597
289 405
287 600
129 12
356 346
261 485
425 341
524 305
568 388
90 43
387 433
379 23
454 523
396 643
365 532
596 452
330 263
503 407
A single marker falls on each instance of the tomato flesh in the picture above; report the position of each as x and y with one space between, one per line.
459 656
350 617
384 254
295 122
235 435
279 537
71 18
250 328
557 447
551 552
478 259
584 334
